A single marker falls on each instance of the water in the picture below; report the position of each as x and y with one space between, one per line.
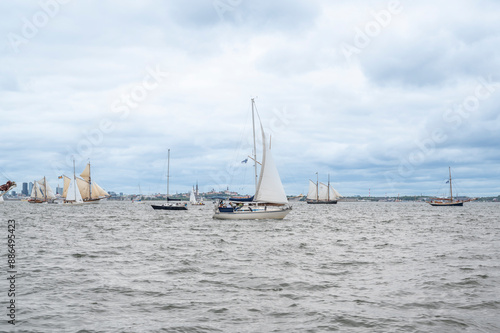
350 267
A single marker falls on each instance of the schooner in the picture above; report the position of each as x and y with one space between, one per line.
82 190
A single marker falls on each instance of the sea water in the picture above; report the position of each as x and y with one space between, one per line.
350 267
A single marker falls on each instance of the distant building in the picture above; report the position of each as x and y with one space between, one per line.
25 189
59 190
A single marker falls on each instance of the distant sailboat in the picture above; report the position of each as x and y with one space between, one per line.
138 198
41 192
320 193
193 200
448 201
173 205
269 201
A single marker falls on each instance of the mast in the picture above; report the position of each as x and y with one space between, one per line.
45 185
168 172
74 178
328 187
254 145
317 187
90 185
451 193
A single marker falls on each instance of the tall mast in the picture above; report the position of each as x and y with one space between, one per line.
451 193
328 187
90 184
317 187
168 172
45 185
254 145
74 178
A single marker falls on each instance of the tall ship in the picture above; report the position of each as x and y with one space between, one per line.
320 193
448 202
269 200
41 192
88 190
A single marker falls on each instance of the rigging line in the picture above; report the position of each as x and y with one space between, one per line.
5 175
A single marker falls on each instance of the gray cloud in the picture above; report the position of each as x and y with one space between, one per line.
361 119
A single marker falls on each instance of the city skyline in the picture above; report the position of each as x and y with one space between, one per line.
383 96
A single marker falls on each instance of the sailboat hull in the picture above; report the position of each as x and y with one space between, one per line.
169 207
255 215
446 204
331 202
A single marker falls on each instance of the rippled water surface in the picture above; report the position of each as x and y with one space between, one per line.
350 267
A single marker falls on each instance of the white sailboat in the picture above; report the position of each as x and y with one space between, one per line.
320 193
138 198
269 201
193 200
41 192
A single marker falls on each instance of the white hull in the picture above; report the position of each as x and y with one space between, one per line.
73 203
255 215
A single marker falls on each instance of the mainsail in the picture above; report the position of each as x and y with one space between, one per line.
312 194
36 193
269 188
88 190
46 189
192 197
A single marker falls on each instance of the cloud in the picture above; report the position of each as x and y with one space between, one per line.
79 87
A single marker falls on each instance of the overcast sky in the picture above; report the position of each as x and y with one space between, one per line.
381 95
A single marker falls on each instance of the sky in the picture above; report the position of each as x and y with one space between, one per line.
382 96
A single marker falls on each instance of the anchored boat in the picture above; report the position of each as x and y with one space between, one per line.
448 201
175 205
269 201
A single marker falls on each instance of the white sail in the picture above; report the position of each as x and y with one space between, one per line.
45 189
323 192
335 193
192 198
36 193
312 194
73 194
269 188
49 192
